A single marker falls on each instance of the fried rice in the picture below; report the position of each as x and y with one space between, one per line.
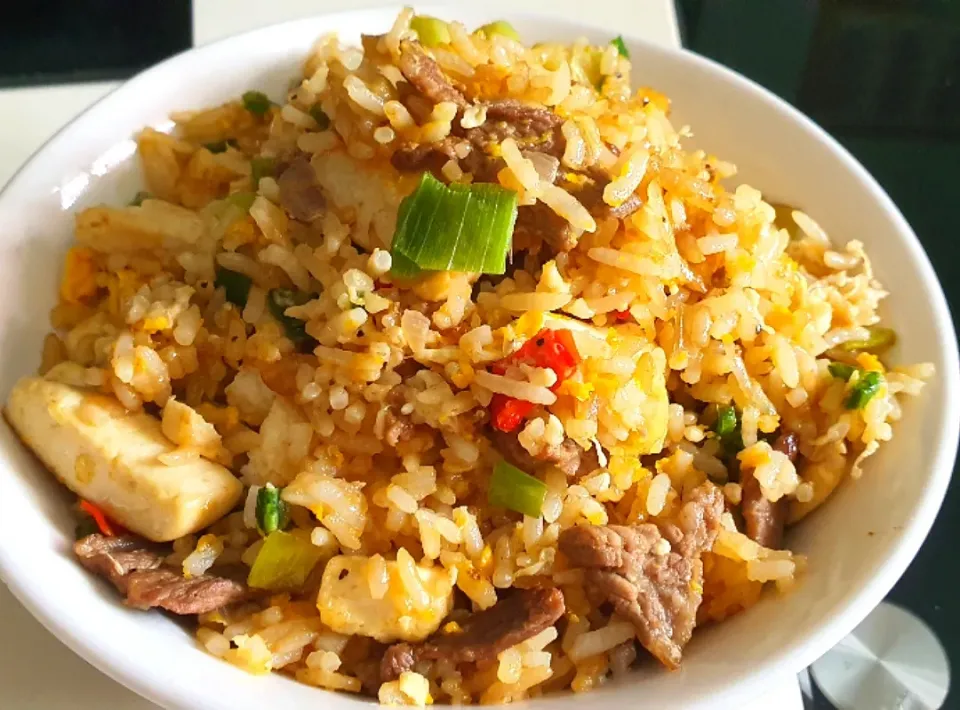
724 347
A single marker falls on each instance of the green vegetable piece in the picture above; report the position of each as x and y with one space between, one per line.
86 526
726 423
256 102
456 227
272 513
863 390
236 285
279 300
216 147
322 119
283 563
512 488
879 340
261 168
841 370
727 428
621 47
500 27
243 200
431 31
139 198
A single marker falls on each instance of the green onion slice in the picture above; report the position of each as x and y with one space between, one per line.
279 300
243 200
456 227
322 119
139 198
235 285
500 27
863 390
621 47
216 147
841 370
271 511
284 562
430 31
879 340
256 102
512 488
261 168
727 428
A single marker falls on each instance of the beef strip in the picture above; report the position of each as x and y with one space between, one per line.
136 568
426 76
512 620
568 456
300 195
764 520
414 158
658 593
532 127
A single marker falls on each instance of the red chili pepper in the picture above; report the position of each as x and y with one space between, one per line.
506 413
553 349
98 517
621 316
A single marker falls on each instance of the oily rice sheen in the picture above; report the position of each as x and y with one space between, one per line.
457 486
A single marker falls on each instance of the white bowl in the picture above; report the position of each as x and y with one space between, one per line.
858 544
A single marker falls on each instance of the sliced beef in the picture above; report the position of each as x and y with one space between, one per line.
531 118
426 76
415 158
300 194
538 224
568 456
764 520
136 568
512 620
658 592
528 135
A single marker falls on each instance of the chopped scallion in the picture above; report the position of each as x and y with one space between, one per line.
322 119
216 147
726 422
727 428
271 511
841 370
500 27
261 168
284 562
456 227
279 300
863 390
235 285
139 198
512 488
243 200
430 31
879 340
256 102
621 47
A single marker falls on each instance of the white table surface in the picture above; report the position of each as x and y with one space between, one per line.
36 671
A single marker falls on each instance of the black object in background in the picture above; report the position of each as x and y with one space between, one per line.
883 77
55 41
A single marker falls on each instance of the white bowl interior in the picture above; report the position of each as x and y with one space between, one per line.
858 544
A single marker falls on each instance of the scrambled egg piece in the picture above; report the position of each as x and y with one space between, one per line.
347 606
